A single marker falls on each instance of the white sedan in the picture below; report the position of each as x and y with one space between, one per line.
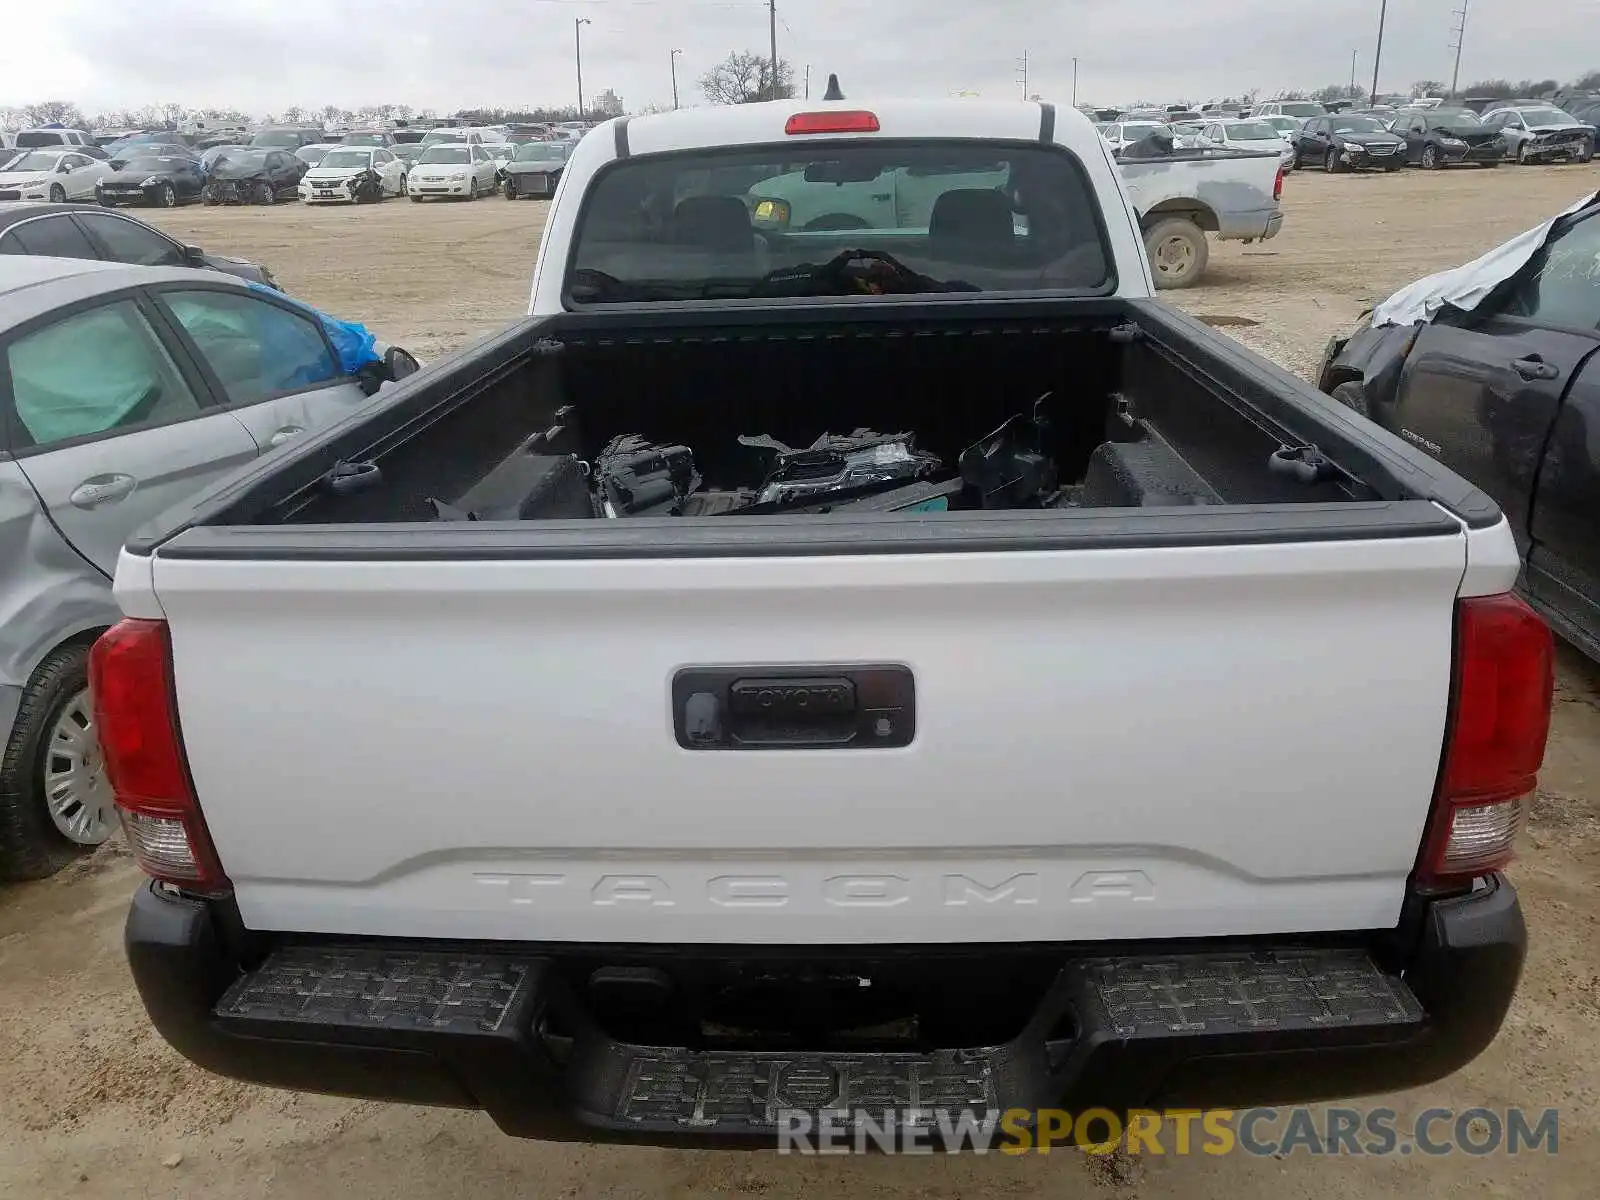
1250 135
329 181
57 174
452 169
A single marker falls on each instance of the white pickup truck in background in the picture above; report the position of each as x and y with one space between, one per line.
1179 198
902 666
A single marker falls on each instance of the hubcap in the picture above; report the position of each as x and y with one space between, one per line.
76 790
1174 256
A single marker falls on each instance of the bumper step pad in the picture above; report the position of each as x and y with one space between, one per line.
410 991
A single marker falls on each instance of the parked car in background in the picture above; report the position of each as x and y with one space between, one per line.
499 153
1441 137
254 176
1542 133
1300 110
57 175
334 179
122 391
535 170
1286 127
1250 135
158 180
1507 395
1347 143
408 136
313 154
155 137
1119 135
53 136
408 153
89 232
452 170
286 137
369 137
453 134
210 155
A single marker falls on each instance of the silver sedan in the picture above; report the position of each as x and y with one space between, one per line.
123 390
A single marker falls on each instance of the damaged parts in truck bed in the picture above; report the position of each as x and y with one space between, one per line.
863 471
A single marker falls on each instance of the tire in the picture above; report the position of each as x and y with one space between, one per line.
416 199
168 197
1391 168
263 194
1431 160
33 842
106 203
1299 160
1522 154
1586 154
1178 253
1490 165
58 194
472 189
509 188
402 190
1354 397
1330 162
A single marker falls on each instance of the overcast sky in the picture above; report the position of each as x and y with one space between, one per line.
261 55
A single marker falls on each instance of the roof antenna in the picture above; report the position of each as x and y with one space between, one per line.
833 89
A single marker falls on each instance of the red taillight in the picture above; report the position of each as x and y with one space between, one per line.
135 714
1499 720
1277 186
833 122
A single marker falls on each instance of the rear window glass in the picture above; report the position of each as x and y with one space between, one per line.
838 220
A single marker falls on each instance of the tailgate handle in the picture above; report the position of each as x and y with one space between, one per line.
794 708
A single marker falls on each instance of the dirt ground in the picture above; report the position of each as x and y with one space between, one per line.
95 1105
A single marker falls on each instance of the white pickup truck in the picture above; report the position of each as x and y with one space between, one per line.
829 671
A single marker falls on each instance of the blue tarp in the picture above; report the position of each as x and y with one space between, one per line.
353 343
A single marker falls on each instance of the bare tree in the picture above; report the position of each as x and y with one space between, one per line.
1589 82
1339 91
1427 87
1499 89
53 112
745 79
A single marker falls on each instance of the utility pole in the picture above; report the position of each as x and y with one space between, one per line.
1023 65
1377 55
808 81
577 40
1461 37
772 23
1353 95
675 54
1074 83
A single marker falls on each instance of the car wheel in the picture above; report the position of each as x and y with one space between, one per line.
1299 161
264 194
58 194
509 188
1178 253
1586 152
169 196
1330 161
1353 395
1430 158
1522 154
55 801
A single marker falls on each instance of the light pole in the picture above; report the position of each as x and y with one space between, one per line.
675 54
1377 55
1074 83
1353 78
577 41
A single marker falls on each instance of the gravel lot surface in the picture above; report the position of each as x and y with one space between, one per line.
95 1105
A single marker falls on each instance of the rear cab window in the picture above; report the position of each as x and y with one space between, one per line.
923 217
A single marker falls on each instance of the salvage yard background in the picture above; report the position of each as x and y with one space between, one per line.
93 1104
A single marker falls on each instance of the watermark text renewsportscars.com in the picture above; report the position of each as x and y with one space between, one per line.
1260 1132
